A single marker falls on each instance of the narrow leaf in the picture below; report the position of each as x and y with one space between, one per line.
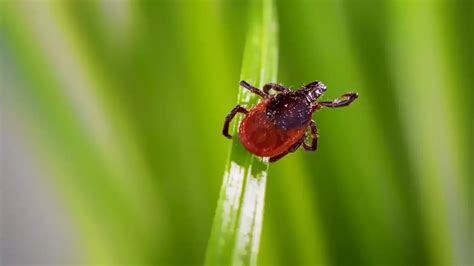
235 235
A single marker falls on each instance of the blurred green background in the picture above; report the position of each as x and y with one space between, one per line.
120 106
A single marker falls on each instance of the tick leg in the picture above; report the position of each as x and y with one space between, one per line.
296 145
229 117
291 149
253 89
342 101
314 138
273 86
278 157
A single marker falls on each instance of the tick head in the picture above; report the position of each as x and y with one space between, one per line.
314 90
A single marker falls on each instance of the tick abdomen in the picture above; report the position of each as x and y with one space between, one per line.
262 136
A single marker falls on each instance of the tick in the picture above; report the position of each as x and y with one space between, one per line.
279 123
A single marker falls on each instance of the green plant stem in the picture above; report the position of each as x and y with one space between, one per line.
237 226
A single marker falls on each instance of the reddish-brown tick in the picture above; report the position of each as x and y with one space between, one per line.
278 124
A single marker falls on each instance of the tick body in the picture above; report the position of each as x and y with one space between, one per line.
279 123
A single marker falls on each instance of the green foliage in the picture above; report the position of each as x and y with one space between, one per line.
235 236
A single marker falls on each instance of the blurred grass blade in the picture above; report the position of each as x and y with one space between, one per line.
435 153
235 235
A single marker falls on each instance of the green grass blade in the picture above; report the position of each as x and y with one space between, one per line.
237 226
435 153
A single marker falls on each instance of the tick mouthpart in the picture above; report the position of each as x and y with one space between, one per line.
320 88
315 90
